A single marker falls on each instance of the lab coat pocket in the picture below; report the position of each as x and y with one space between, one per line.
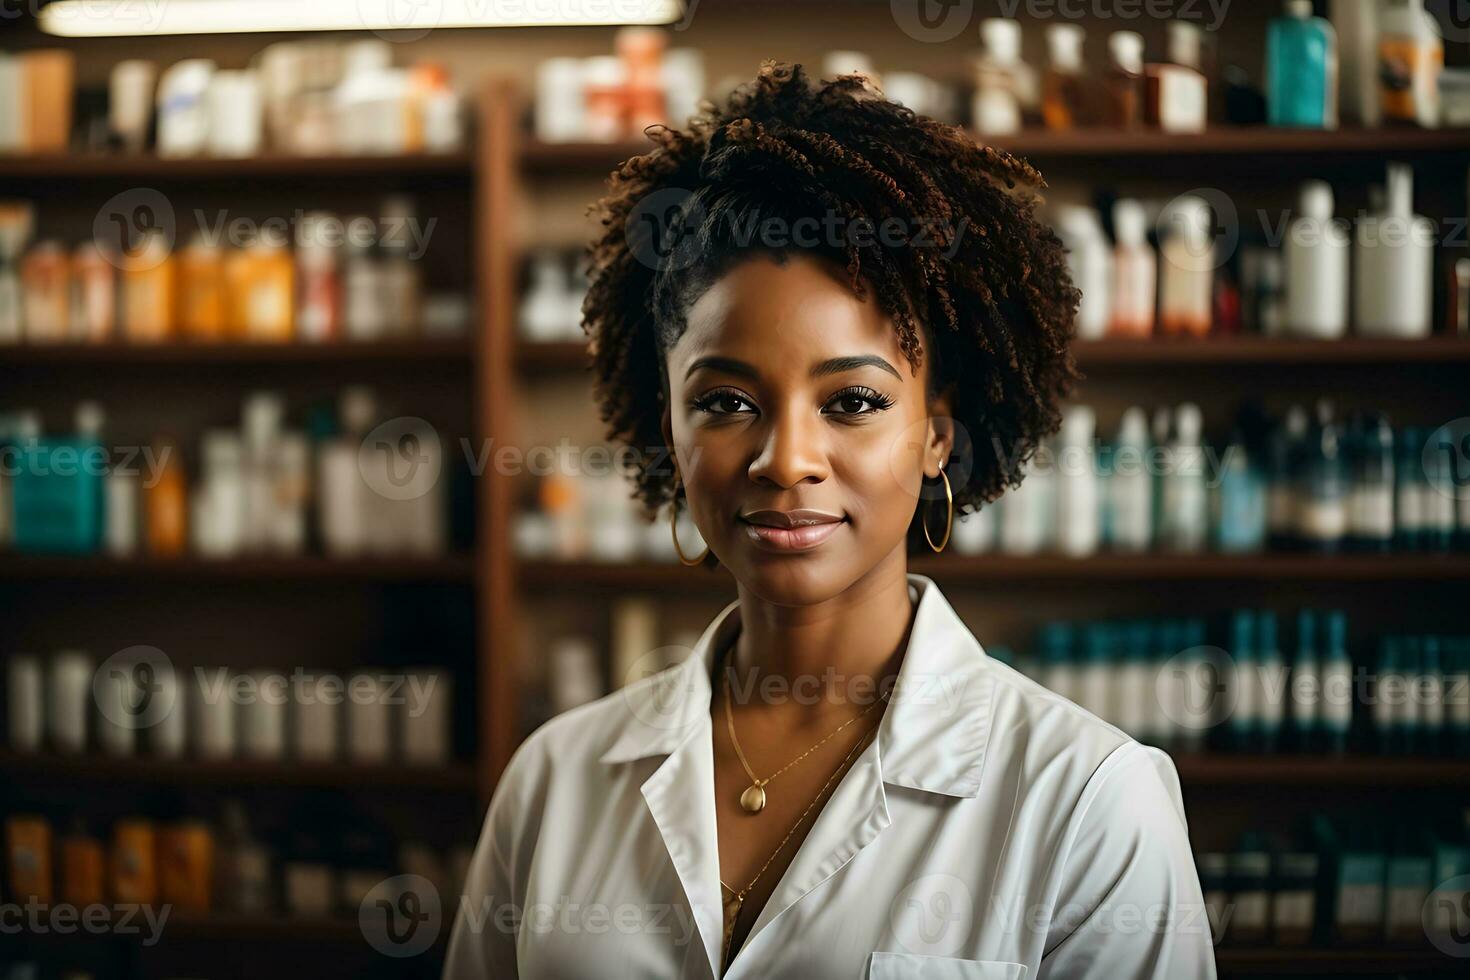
913 966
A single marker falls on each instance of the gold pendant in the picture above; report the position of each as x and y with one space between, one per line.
753 799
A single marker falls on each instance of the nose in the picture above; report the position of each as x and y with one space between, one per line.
794 450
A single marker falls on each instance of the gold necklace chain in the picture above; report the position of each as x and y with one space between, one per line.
753 799
733 905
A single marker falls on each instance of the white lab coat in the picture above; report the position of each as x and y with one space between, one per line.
992 830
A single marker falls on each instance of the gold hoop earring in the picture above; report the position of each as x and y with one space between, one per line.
948 517
674 531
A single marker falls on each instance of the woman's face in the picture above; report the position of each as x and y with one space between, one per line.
788 393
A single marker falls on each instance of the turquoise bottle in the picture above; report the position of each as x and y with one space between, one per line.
1301 69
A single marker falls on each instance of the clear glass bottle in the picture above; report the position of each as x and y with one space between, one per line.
1322 509
1124 80
1064 98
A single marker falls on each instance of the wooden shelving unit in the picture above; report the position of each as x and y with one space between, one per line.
395 353
270 166
1248 351
91 769
1236 961
452 569
1091 144
992 570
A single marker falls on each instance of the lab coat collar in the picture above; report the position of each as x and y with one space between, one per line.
933 734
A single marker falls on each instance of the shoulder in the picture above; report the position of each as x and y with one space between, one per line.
1045 732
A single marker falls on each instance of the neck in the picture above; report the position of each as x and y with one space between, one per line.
828 657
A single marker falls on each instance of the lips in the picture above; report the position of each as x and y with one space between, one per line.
795 530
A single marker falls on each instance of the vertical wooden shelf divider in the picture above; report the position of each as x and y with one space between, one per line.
496 629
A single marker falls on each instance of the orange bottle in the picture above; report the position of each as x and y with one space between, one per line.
83 868
202 291
260 286
186 866
148 290
134 862
28 853
166 501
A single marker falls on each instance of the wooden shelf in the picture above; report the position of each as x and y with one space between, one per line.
1366 771
572 355
1232 141
1336 961
1224 141
103 355
236 772
453 568
1003 570
1268 351
73 165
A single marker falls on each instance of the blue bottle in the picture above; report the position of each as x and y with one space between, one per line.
1273 690
1301 69
1244 720
1339 695
1306 685
1242 524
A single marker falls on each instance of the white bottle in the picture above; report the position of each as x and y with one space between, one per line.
1024 513
544 309
1077 492
999 79
1186 268
1356 24
1130 486
1135 272
1410 62
1185 510
1317 255
1393 281
1090 261
975 533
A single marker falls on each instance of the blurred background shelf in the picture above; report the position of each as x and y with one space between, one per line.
386 569
1365 771
1003 569
235 773
571 355
254 354
1336 962
79 166
1214 147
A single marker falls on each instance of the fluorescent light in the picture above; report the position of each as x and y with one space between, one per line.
117 18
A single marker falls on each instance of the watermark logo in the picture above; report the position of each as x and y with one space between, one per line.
400 21
656 704
662 229
135 229
910 443
932 21
401 459
933 915
1446 916
1447 459
1453 18
1196 688
135 688
401 916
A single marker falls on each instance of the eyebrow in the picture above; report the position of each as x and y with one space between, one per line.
835 365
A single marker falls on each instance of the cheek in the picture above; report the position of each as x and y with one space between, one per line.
883 469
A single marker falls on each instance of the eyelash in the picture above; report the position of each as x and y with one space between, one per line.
878 400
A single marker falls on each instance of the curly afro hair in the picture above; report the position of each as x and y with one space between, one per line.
992 292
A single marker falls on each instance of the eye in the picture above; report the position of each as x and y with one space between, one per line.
721 402
851 399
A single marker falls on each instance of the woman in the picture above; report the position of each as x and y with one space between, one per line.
831 327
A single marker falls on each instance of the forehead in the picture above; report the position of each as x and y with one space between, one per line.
783 316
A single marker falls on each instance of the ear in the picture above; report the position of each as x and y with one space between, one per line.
941 439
